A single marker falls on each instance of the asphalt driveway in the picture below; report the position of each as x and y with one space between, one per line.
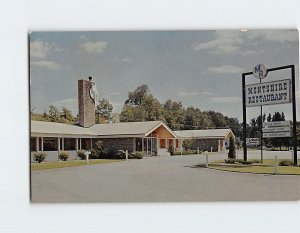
159 179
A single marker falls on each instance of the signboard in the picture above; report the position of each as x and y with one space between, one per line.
277 92
277 129
277 123
252 141
260 71
277 135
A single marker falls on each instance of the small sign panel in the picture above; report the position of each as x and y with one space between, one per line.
277 92
277 123
277 135
260 71
277 129
252 141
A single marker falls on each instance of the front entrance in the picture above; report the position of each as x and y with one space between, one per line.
147 145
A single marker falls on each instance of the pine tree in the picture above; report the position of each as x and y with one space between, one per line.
231 153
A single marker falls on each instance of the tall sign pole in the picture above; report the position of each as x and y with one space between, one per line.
280 95
294 114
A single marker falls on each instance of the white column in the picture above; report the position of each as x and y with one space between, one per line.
80 143
58 145
151 146
42 149
77 144
91 143
63 144
143 145
147 145
37 146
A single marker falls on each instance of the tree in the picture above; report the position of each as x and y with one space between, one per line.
231 152
187 143
67 114
104 109
138 95
54 115
174 114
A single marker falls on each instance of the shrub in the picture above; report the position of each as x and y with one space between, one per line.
120 154
81 154
39 157
136 155
286 163
171 150
255 160
230 161
246 162
232 152
93 154
64 156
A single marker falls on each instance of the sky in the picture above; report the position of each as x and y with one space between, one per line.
199 68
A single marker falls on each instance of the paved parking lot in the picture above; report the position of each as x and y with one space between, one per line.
161 179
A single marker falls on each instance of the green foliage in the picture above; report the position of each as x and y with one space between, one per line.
120 154
286 163
39 156
246 162
81 154
67 115
104 109
230 161
136 155
54 115
186 144
232 152
171 150
137 97
63 155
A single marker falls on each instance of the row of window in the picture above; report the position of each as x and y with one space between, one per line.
51 144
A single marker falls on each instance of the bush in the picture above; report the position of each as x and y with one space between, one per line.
171 150
136 155
39 157
64 156
232 152
93 154
230 161
81 154
286 163
246 162
255 160
120 154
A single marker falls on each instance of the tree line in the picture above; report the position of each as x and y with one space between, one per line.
141 105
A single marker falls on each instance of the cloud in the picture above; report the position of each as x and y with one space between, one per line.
93 47
224 42
70 103
224 99
187 94
126 60
226 69
281 36
207 93
51 65
40 49
236 42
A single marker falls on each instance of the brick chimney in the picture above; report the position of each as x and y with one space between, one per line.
86 102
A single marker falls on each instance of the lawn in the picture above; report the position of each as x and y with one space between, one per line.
266 168
70 163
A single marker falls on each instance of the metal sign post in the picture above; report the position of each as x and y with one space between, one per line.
260 94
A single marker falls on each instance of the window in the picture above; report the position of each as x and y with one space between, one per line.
162 143
85 143
50 144
32 144
70 143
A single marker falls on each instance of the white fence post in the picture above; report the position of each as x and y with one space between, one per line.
198 150
126 154
206 158
275 165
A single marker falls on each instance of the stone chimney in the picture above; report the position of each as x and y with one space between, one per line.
87 100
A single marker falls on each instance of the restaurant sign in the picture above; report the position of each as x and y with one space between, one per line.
276 92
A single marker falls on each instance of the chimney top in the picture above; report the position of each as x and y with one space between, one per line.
90 78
